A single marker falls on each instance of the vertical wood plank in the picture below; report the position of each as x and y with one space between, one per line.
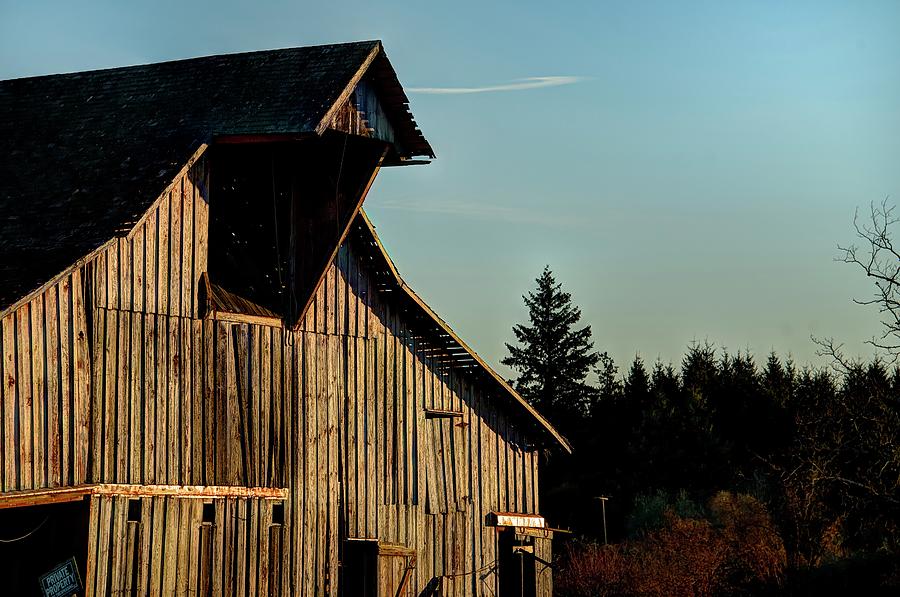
187 247
122 439
170 557
81 374
125 275
145 533
104 544
218 549
151 262
242 524
183 570
138 249
163 250
107 445
38 396
173 427
136 399
11 468
176 266
25 440
369 399
90 581
54 429
67 403
198 404
201 225
117 544
113 282
186 391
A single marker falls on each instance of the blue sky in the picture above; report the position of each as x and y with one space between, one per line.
689 180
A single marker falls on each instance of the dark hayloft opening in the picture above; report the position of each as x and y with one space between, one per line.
277 212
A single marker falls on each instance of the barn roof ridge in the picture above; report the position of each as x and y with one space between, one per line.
371 43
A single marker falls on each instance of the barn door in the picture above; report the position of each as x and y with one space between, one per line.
360 568
396 565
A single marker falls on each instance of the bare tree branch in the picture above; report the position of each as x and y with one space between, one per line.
880 260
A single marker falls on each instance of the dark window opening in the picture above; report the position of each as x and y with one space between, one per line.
278 513
134 510
209 513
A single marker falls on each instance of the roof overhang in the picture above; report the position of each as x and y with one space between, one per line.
454 347
409 143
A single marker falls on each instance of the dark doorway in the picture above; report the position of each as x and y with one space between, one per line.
35 539
360 568
517 569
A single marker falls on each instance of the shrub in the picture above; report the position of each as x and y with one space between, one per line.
686 558
756 551
592 570
736 549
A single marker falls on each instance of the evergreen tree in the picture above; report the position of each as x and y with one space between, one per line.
553 357
609 387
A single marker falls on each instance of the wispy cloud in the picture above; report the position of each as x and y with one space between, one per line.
516 85
480 211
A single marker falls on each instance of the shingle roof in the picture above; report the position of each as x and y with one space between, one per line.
83 155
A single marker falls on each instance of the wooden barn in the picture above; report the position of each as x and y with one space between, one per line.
214 380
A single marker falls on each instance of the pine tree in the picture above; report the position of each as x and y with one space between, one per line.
553 357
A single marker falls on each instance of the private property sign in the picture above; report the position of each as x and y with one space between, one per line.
62 581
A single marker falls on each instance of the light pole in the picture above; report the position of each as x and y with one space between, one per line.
603 499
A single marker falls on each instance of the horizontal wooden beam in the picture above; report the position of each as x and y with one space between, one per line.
56 495
440 413
36 497
230 317
392 549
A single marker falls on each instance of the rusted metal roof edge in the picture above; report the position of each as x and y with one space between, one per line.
544 423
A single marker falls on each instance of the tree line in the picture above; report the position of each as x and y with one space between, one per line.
724 474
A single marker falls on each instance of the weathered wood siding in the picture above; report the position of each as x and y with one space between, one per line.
109 376
169 550
84 369
422 482
156 266
45 391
